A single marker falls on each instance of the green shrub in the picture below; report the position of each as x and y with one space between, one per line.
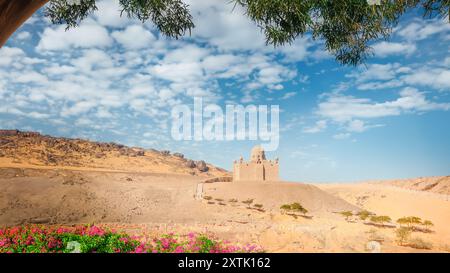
419 243
364 214
402 235
347 214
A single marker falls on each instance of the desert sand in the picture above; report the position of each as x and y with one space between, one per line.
153 192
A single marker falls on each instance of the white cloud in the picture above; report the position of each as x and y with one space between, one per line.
221 26
422 29
9 54
341 136
187 53
23 35
318 127
384 49
134 37
87 35
288 95
108 14
342 108
435 77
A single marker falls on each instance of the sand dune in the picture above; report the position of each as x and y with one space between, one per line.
396 202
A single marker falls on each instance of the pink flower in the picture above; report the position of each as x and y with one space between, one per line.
96 231
179 249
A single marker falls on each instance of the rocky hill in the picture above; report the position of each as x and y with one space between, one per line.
28 149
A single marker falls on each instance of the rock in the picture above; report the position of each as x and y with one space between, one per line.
180 155
40 221
100 155
190 164
9 132
201 166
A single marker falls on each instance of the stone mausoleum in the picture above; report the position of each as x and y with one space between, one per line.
257 169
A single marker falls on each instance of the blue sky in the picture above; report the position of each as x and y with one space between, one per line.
115 79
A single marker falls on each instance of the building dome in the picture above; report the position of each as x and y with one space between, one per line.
257 154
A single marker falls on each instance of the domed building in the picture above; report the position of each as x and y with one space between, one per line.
257 169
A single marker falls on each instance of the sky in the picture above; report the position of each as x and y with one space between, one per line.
116 79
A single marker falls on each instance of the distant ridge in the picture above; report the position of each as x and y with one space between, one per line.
28 149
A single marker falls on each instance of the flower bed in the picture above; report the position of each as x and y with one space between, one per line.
91 238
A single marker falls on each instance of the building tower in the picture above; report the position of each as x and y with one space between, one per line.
257 169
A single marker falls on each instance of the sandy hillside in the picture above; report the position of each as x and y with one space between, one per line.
434 184
159 203
167 202
397 202
31 149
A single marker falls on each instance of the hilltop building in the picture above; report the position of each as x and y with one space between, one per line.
257 169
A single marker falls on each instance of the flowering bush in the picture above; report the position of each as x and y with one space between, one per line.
91 238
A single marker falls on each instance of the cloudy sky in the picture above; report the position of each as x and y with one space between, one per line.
115 79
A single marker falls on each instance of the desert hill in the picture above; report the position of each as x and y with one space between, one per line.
434 184
31 149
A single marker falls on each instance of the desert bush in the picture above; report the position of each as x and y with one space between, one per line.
427 224
298 208
364 214
285 208
218 199
248 202
402 235
258 206
206 197
419 243
347 214
382 219
233 200
293 208
410 221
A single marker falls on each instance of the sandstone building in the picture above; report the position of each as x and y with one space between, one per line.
257 169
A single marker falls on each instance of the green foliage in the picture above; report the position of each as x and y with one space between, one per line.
419 243
346 26
258 206
402 234
248 202
410 221
427 223
294 207
364 214
62 12
347 214
171 17
380 219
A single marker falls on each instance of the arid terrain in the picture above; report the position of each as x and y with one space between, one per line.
62 181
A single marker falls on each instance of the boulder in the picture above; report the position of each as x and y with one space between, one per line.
190 164
201 166
180 155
